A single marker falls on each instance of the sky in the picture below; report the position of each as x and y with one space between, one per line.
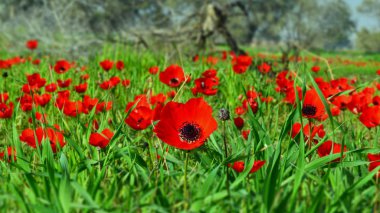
361 19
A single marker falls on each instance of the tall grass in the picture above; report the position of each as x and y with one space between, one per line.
128 176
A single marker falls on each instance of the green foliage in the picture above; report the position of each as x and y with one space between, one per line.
127 176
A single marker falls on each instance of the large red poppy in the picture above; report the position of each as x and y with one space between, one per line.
55 137
330 147
106 65
42 100
72 108
370 116
101 139
35 80
172 76
62 66
312 105
186 126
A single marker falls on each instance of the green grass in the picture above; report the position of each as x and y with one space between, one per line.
127 176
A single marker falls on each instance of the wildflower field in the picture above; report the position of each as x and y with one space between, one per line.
129 131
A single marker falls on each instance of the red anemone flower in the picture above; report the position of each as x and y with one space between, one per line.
158 99
205 86
153 70
312 106
244 60
42 100
171 94
296 129
64 83
32 44
239 69
85 77
141 116
39 117
211 73
72 108
51 87
4 97
81 88
238 166
376 100
106 65
239 122
103 106
6 110
374 162
26 102
186 126
264 67
54 135
245 133
252 103
89 103
342 101
172 76
62 66
315 68
36 62
120 65
125 82
370 116
62 98
330 147
35 80
102 139
11 152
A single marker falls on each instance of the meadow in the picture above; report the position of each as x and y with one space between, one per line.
133 131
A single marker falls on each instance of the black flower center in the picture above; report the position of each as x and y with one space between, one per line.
190 132
309 110
174 81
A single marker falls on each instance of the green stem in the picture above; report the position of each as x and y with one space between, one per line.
185 191
226 155
377 194
100 166
310 138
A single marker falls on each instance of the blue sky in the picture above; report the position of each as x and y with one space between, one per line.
361 19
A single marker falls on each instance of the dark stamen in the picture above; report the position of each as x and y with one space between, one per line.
309 110
174 81
190 132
